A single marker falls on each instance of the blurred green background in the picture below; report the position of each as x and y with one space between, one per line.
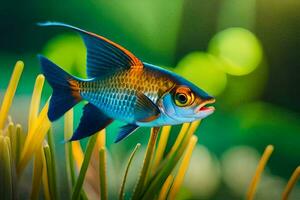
246 53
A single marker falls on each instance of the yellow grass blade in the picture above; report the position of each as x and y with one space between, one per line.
37 174
180 136
10 92
295 176
165 188
163 140
35 100
261 166
6 174
34 138
77 154
101 139
19 143
11 133
183 168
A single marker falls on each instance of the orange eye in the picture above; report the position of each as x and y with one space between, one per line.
183 97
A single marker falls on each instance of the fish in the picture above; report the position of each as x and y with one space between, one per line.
119 86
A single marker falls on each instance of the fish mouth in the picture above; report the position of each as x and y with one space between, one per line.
206 106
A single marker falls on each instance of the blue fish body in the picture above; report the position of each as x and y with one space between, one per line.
120 86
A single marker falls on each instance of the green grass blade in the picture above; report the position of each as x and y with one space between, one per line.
37 175
50 171
84 167
147 163
53 164
102 174
121 194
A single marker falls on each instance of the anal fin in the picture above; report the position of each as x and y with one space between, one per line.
92 121
125 131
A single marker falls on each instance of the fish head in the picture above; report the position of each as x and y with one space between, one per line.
186 102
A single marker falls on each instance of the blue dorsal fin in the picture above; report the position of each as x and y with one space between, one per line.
92 121
103 55
125 131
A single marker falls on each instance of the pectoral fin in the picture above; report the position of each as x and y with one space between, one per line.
92 121
125 131
145 110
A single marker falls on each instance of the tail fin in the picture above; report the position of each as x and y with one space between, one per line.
66 91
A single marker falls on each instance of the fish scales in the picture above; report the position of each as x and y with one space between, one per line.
116 94
122 87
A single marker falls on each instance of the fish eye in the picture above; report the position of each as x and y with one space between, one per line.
183 97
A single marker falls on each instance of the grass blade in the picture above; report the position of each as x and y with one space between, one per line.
68 131
169 163
34 138
50 172
45 177
102 174
35 100
10 92
146 165
161 145
53 172
261 166
165 188
121 194
101 139
295 176
6 178
37 175
183 168
180 136
83 169
19 144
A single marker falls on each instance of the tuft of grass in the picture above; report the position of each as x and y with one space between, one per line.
161 174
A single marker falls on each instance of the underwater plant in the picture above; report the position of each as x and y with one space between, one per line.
160 177
18 147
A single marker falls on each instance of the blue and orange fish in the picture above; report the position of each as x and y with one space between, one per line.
120 86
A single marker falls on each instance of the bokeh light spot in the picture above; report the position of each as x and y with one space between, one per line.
239 50
238 167
204 175
67 51
203 70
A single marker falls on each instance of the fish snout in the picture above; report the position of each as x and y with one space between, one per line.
205 105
